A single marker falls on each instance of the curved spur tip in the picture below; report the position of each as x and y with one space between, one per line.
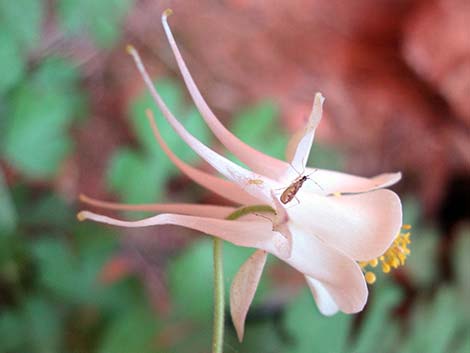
130 49
320 97
166 13
149 114
81 216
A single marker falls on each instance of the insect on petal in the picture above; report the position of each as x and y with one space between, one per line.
333 182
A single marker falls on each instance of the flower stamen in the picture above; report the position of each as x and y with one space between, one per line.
394 257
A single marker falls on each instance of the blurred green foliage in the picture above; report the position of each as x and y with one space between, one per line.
260 123
40 112
100 20
52 298
21 21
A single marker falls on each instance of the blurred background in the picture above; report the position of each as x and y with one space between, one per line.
396 75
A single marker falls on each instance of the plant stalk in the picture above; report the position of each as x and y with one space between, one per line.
219 297
219 290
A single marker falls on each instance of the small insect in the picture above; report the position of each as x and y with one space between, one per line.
255 182
289 193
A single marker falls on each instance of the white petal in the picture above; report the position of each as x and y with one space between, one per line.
340 276
254 159
243 289
213 211
227 168
224 188
325 302
280 224
327 182
254 234
304 145
362 226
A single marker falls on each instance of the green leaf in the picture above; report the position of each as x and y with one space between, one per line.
133 330
36 326
55 75
326 157
11 332
434 325
70 276
8 217
191 277
377 322
36 141
258 124
50 210
42 325
22 19
56 267
12 64
101 20
261 336
411 211
422 263
313 332
135 178
461 264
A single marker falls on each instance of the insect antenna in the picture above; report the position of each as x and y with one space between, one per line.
308 177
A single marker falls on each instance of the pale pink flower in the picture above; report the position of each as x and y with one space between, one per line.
335 220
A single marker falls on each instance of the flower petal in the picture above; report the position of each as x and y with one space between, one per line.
340 276
243 289
327 182
182 208
304 145
325 302
227 168
280 224
362 226
224 188
254 159
254 234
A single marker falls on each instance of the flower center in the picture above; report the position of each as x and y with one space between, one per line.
394 257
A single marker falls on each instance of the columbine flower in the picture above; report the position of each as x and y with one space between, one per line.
335 223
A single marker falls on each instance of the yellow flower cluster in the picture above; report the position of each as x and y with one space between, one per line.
394 257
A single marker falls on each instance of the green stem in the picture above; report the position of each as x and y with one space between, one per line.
219 297
219 291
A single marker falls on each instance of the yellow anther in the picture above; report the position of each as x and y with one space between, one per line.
370 277
337 194
393 257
